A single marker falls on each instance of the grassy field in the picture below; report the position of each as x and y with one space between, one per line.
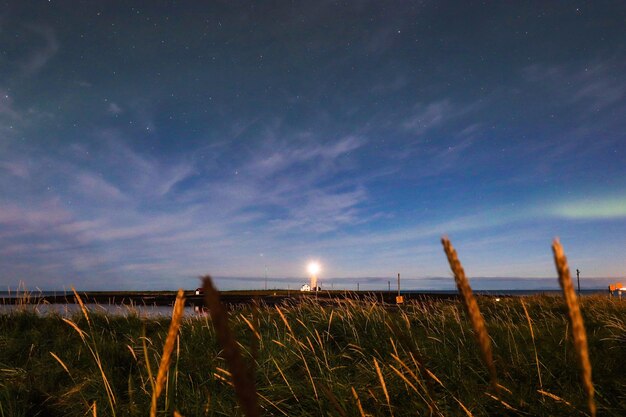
355 358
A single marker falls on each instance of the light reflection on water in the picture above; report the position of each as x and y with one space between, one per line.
110 309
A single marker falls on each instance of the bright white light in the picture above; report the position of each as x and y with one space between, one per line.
314 268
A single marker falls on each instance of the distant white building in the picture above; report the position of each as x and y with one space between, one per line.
305 287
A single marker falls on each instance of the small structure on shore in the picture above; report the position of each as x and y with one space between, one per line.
307 288
617 287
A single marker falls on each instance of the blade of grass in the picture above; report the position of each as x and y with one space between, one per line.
532 336
243 381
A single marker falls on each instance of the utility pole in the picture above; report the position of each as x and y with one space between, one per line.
357 286
389 286
578 277
398 284
399 298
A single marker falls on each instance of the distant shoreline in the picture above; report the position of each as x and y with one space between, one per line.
271 297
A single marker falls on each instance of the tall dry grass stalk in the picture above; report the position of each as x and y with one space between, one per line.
168 348
576 320
471 306
383 385
90 342
358 402
62 363
532 336
82 306
554 397
243 379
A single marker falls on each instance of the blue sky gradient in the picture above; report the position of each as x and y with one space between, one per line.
143 144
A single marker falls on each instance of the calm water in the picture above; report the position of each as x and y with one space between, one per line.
120 310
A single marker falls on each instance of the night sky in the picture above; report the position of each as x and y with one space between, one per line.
143 144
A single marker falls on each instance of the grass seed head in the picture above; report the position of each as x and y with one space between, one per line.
576 320
473 311
168 348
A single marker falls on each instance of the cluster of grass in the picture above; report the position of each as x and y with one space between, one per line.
355 358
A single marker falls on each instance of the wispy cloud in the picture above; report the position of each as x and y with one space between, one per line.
7 107
286 183
146 176
593 209
320 211
39 56
114 109
10 117
116 209
19 218
596 86
16 117
276 156
428 116
17 169
95 186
